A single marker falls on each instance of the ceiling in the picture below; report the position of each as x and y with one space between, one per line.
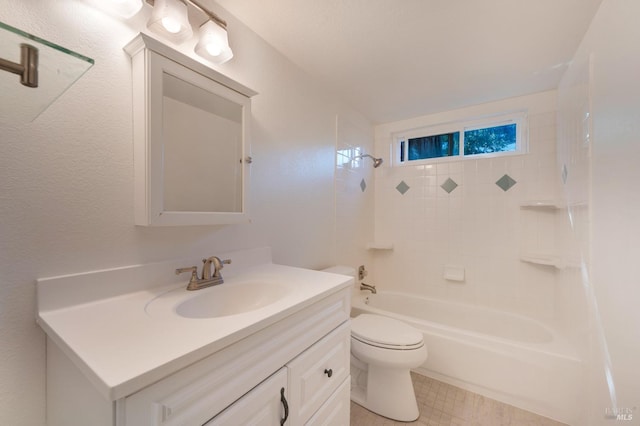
397 59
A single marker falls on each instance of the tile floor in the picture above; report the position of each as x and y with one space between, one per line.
442 404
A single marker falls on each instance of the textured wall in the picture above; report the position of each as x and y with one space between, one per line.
66 180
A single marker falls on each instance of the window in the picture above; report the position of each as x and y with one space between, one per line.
490 139
444 145
503 135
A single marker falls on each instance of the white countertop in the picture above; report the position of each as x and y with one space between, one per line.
121 346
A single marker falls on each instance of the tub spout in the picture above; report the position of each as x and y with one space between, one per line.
371 288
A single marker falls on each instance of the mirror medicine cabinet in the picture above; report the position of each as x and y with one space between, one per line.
191 139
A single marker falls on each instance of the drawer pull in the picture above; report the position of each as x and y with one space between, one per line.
328 372
286 407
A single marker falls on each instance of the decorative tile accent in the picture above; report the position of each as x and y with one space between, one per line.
505 182
363 185
449 185
402 187
565 174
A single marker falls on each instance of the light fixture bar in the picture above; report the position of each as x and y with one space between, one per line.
213 42
215 18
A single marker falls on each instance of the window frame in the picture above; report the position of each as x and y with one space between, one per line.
519 118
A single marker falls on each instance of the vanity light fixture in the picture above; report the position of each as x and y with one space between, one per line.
123 8
213 43
170 20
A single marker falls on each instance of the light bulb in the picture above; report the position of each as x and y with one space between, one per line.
170 20
214 49
171 24
213 43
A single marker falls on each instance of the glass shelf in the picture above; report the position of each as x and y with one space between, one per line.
58 69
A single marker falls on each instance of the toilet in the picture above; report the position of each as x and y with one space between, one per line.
383 352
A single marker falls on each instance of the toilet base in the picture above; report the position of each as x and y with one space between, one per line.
386 391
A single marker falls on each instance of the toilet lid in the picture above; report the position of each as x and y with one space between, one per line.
385 332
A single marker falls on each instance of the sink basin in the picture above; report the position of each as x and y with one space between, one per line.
230 299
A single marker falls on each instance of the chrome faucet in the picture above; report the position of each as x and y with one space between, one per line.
371 288
207 279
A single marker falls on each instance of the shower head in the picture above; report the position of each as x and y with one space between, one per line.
376 161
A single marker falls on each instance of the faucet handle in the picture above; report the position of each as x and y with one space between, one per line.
192 269
221 263
362 272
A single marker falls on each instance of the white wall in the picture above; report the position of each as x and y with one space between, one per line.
603 172
478 225
66 180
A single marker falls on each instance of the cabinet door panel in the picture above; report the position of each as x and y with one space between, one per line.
260 406
337 410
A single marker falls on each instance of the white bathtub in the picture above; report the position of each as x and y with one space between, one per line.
501 355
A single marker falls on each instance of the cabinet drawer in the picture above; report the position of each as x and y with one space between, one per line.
316 373
337 410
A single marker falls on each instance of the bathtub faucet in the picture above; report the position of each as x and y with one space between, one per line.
371 288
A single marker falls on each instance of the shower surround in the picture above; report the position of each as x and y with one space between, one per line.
469 214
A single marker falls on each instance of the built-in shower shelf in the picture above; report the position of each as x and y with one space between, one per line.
542 259
380 245
542 205
550 205
551 260
57 68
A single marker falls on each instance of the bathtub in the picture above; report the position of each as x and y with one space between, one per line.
507 357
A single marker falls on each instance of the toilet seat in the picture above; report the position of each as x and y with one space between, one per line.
384 332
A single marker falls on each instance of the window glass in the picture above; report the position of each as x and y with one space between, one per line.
435 146
490 139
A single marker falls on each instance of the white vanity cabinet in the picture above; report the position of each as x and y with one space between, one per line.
303 358
305 386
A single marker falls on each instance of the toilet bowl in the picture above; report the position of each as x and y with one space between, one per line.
384 350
